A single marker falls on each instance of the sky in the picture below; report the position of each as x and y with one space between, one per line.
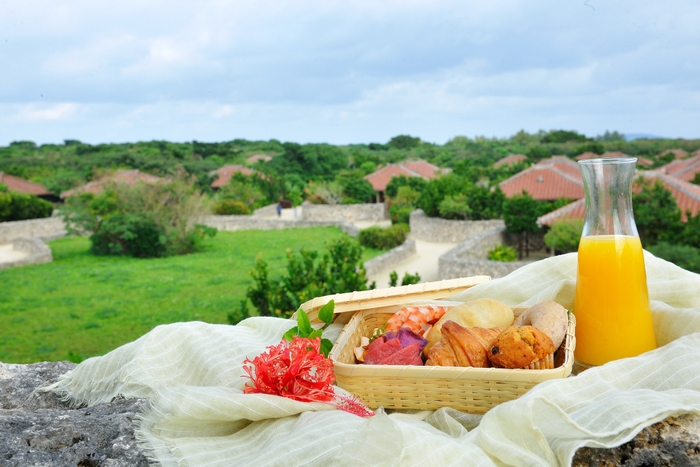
343 72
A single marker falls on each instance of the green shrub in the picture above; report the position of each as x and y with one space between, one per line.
565 235
503 253
408 278
230 207
684 256
308 276
455 207
400 214
143 221
21 206
383 238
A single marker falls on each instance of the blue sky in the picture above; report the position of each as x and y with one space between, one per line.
351 71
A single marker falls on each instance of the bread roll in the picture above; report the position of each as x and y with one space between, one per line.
482 313
549 317
462 346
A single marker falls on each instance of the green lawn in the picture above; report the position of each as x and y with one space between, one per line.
82 305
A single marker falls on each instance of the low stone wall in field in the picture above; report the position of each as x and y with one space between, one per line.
436 230
469 257
390 258
49 228
234 223
371 212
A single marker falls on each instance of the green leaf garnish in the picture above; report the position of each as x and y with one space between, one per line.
304 329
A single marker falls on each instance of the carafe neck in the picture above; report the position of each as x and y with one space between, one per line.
607 185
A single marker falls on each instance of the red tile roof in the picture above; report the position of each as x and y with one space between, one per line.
586 155
677 153
380 178
258 157
510 160
687 198
549 179
226 172
682 169
577 209
23 186
130 177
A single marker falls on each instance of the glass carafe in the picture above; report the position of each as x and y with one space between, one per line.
613 318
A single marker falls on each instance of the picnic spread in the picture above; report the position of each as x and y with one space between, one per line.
193 375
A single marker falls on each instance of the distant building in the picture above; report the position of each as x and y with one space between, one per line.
381 177
677 153
258 157
129 177
549 179
686 194
224 174
21 185
682 169
510 160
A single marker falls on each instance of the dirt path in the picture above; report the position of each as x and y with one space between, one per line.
424 262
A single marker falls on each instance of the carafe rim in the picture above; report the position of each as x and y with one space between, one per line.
608 160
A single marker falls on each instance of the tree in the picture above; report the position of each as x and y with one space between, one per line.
563 136
520 216
355 188
455 207
565 235
656 214
404 142
415 183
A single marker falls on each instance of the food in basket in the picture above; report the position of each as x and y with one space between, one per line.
400 348
462 346
418 318
549 317
519 347
482 313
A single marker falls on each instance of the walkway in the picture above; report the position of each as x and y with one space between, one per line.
424 262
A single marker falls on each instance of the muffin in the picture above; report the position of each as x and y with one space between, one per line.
522 347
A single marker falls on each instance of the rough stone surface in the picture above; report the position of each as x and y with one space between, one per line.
49 228
674 442
39 429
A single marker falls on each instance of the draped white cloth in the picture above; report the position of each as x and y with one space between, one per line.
192 374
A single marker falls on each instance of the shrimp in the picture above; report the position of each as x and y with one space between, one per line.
418 319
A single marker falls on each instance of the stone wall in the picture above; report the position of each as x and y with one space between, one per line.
234 223
37 252
390 258
372 212
469 257
436 230
47 229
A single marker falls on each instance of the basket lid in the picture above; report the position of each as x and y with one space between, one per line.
377 298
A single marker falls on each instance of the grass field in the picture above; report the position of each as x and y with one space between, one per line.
82 305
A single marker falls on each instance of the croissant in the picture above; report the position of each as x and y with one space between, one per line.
461 346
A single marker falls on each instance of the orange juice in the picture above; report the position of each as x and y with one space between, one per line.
613 319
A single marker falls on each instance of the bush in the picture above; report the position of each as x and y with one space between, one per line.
503 253
308 276
143 221
21 206
455 207
383 238
683 256
408 278
565 235
226 207
400 214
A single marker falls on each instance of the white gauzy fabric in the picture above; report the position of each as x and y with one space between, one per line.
199 416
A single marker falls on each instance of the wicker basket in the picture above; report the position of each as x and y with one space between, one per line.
472 390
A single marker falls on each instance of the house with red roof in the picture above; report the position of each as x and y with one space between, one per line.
510 160
224 174
682 169
687 196
677 153
129 177
381 177
21 185
549 179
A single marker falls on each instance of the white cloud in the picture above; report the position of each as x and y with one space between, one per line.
31 113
